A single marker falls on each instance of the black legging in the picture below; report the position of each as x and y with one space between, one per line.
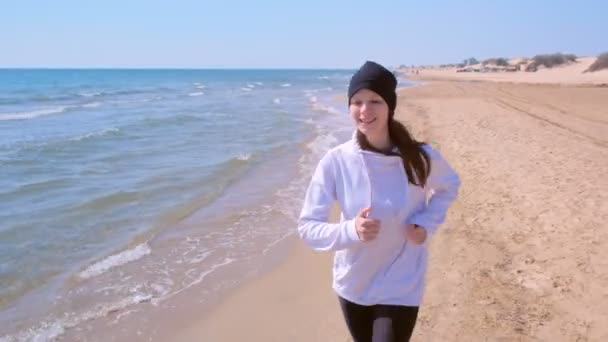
379 323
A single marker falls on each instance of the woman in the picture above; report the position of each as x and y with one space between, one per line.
394 192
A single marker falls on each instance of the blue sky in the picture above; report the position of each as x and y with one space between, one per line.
291 34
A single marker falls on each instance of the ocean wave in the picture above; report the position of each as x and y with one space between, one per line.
244 156
195 280
286 85
47 147
32 114
91 105
277 101
172 120
38 99
127 92
35 187
325 108
108 200
48 98
322 143
198 93
96 134
115 260
309 92
91 94
309 121
51 329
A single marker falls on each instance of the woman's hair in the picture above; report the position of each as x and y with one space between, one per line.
416 160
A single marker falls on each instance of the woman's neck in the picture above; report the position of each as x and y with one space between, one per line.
379 142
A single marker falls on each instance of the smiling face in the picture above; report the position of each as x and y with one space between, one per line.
370 114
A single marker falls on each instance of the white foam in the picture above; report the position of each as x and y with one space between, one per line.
246 89
322 143
276 242
194 282
285 85
96 134
85 94
323 77
91 105
199 93
259 83
277 101
115 260
323 108
307 121
317 90
32 114
52 329
200 86
313 99
200 257
244 156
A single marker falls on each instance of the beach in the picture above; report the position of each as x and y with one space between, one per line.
154 171
212 253
519 258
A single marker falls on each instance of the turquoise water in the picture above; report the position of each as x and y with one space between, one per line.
107 174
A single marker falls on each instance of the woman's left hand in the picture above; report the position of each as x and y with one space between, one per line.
415 233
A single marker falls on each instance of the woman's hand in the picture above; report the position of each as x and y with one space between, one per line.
415 233
367 229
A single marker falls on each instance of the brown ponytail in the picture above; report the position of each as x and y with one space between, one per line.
416 160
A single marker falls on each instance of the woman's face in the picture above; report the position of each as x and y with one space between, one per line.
369 112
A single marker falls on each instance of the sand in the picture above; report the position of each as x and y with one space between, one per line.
519 258
295 302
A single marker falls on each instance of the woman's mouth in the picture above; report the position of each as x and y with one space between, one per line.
367 121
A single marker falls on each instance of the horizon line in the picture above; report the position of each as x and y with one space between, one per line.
174 68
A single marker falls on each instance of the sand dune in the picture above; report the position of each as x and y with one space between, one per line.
571 74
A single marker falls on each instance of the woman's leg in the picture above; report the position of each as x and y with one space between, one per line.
393 323
359 319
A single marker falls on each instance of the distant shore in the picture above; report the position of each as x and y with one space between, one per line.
567 74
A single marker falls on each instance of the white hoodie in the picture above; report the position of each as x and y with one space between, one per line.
387 270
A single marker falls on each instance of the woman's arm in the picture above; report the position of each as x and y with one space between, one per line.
313 225
444 183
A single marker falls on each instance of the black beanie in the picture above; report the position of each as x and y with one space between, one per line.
377 78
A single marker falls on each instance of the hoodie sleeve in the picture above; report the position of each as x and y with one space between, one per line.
444 183
313 225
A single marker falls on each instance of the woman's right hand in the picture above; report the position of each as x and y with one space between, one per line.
367 229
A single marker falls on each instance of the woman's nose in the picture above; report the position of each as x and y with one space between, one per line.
363 108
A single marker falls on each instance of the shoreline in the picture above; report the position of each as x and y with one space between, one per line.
291 302
127 291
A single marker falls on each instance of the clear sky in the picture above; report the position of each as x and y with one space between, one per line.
291 34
